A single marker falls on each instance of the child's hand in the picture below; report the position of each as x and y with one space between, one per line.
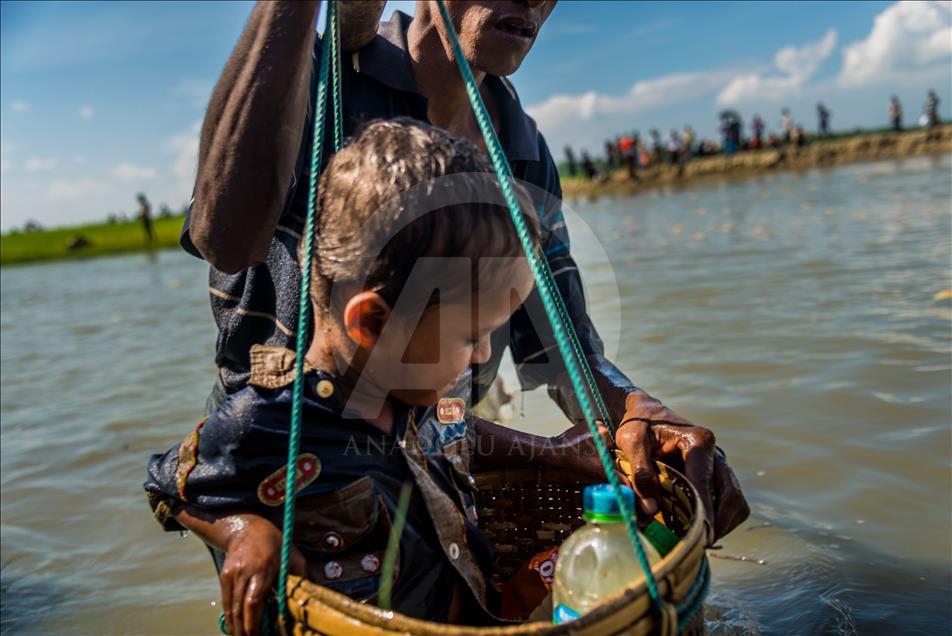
253 558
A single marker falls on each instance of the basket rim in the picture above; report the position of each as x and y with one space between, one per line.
663 570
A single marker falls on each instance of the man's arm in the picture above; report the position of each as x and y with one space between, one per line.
251 136
499 446
646 429
252 133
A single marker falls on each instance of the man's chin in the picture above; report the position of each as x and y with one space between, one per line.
499 65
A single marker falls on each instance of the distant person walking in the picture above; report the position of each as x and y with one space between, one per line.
570 161
757 128
688 138
932 109
674 147
145 217
655 146
627 149
786 124
588 166
895 113
611 150
823 119
730 131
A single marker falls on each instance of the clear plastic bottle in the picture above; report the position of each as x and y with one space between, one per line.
598 560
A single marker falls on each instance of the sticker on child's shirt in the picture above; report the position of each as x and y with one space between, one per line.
450 410
271 490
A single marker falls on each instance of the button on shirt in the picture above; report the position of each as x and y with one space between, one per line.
348 481
260 305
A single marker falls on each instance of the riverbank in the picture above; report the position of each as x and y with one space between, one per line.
115 238
819 153
85 241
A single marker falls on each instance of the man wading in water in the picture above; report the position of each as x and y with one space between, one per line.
250 199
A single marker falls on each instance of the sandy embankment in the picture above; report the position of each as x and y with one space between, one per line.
820 153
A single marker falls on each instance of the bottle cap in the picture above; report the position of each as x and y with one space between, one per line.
600 503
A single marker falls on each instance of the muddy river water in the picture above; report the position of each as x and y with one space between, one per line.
800 316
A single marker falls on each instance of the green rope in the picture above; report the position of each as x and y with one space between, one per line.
333 27
560 327
294 436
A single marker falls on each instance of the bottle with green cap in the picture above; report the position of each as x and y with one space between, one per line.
598 560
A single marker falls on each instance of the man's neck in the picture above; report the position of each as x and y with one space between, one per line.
439 79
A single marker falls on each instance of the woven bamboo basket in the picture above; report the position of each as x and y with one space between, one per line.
514 505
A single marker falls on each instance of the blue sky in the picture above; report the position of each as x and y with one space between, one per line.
101 100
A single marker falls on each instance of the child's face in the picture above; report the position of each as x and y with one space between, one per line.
419 362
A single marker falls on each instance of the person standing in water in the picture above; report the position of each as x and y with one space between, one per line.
247 223
145 217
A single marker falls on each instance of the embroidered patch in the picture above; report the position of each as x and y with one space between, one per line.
450 410
271 489
187 459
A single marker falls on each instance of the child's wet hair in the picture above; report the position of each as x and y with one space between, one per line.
401 190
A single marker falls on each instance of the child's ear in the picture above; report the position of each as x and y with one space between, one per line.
364 316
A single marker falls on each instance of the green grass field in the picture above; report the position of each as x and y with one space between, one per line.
104 238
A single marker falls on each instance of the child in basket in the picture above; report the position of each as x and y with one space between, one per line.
417 262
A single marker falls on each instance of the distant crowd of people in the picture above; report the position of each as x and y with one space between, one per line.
634 152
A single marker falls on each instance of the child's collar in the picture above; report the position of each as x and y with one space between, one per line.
273 367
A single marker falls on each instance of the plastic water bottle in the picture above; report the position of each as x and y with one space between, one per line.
598 560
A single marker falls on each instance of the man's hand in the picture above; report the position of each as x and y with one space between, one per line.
649 431
690 449
251 566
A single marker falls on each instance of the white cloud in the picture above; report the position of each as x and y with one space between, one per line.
131 172
35 164
65 189
907 37
19 106
560 110
184 147
793 67
86 112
